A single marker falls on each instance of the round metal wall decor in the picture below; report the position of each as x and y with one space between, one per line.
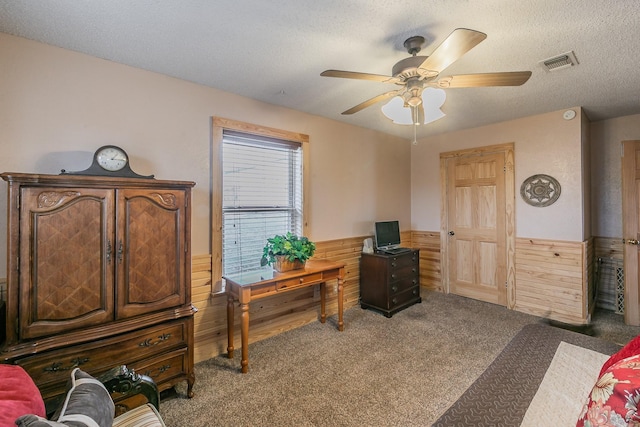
540 190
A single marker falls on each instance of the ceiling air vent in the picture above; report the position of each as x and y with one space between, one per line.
559 62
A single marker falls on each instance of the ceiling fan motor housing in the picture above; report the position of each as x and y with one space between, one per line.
408 67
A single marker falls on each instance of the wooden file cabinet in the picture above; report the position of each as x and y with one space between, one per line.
390 283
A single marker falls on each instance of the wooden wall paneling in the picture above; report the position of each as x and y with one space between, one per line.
609 247
429 244
550 279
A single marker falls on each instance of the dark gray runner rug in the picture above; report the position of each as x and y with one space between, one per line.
502 394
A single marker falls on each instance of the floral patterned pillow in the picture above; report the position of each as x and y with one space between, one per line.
615 397
630 349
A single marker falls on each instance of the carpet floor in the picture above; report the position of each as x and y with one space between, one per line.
406 370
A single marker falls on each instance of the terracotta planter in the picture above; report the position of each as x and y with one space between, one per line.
282 264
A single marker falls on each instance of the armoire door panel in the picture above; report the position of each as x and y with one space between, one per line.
151 261
62 258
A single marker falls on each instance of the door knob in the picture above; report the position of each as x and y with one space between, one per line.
631 242
451 233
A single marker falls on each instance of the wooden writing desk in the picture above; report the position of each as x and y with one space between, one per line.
245 287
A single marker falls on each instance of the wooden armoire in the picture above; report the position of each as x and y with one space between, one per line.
98 275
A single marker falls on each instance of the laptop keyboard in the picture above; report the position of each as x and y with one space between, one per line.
396 251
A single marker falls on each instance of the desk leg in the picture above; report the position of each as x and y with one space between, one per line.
244 331
323 302
340 300
229 326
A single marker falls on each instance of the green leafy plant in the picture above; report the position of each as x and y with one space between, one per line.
288 245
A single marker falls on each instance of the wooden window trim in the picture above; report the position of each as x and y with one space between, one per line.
218 125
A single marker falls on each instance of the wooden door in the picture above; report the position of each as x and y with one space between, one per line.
65 278
631 229
151 250
478 247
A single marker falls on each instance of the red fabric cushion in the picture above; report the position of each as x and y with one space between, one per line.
631 349
614 399
18 395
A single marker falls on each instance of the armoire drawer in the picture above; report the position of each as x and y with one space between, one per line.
53 367
164 367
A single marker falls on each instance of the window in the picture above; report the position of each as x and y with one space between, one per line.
261 196
257 192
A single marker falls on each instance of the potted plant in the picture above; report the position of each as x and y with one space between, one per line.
287 252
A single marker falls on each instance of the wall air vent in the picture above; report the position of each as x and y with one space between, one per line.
559 62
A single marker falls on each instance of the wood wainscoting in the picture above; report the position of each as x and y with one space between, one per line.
429 244
552 279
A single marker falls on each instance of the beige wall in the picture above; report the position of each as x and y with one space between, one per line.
544 144
606 179
58 106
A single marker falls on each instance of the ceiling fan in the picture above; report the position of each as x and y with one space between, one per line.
417 73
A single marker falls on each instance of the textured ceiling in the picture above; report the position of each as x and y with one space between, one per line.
274 51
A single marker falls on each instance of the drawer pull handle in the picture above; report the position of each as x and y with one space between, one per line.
57 366
413 270
393 276
149 341
162 369
394 288
393 264
415 292
394 301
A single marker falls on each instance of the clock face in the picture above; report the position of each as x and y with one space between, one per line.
111 158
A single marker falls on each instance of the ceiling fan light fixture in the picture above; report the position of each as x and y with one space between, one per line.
400 111
414 101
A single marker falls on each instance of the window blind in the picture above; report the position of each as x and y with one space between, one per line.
261 196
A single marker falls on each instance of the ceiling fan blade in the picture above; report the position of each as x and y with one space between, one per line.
515 78
459 42
360 76
371 101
